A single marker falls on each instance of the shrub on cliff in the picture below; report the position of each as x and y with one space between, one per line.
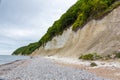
91 56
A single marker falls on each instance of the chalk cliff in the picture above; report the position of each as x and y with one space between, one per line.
100 36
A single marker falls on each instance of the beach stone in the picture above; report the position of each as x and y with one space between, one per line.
46 69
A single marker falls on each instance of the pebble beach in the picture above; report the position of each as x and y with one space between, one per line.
43 69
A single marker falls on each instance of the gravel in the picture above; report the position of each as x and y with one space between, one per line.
45 69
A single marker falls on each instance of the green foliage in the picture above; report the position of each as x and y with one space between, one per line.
113 6
91 56
19 51
26 50
114 55
30 48
77 16
91 9
117 54
93 64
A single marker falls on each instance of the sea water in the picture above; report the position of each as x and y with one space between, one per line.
10 58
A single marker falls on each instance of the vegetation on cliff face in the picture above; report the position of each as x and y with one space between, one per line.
26 50
77 16
90 56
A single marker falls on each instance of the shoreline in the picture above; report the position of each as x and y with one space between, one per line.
41 68
5 68
8 59
102 70
107 68
12 62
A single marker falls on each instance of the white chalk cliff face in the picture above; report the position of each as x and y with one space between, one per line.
100 36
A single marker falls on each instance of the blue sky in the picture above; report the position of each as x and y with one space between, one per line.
26 21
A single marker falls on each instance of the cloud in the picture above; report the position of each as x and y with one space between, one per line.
26 21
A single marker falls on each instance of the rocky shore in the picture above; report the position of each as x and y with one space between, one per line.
105 68
43 69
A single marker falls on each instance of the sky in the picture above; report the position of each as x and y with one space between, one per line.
26 21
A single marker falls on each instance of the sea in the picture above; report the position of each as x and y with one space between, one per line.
4 59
